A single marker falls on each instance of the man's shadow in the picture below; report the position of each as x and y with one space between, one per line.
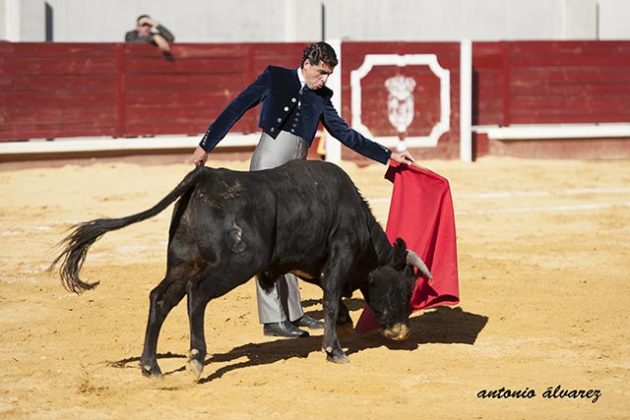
441 325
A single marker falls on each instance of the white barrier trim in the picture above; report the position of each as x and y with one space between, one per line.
96 144
465 101
554 131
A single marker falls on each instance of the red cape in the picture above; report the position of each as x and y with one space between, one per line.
421 212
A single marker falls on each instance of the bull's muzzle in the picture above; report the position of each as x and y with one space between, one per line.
397 332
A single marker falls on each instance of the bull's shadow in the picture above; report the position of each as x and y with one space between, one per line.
442 325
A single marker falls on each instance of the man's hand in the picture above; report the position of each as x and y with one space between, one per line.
199 156
404 157
162 43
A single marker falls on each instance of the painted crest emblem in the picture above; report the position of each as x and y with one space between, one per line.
400 109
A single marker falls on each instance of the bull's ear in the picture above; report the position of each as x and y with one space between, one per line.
399 256
400 243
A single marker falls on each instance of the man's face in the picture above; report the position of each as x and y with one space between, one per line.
143 26
316 75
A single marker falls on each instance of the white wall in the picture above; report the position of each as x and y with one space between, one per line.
189 20
580 19
452 20
22 20
4 19
614 19
300 20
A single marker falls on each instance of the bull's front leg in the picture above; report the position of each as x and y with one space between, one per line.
330 343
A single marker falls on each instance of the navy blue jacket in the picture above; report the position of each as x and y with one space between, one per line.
279 91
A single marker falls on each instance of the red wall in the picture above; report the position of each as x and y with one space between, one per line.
64 90
52 90
545 82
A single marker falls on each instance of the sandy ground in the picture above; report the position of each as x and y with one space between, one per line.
544 261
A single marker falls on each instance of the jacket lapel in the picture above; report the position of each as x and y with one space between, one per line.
295 81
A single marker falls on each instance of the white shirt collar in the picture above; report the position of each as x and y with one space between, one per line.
301 78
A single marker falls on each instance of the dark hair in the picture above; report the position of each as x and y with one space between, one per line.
142 16
319 52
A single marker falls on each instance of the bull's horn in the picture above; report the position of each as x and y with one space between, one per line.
416 261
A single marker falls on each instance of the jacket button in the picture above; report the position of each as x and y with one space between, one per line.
279 120
272 129
293 99
286 108
292 130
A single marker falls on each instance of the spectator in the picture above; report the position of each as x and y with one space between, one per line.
148 30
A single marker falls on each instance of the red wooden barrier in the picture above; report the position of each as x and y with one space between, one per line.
544 82
57 90
121 90
50 90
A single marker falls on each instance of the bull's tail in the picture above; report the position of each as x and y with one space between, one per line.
78 242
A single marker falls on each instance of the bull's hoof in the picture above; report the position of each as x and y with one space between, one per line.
150 370
194 365
336 355
341 359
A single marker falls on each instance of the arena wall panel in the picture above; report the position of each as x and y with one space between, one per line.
551 82
52 90
55 90
425 93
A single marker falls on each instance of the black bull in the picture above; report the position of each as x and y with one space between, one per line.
305 217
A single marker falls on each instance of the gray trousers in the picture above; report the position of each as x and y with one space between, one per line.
282 302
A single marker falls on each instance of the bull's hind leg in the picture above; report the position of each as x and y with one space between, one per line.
196 312
162 299
200 291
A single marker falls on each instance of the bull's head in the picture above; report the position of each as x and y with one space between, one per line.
389 291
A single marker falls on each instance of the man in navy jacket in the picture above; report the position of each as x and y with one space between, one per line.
294 101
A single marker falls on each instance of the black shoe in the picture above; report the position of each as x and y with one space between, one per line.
283 329
308 322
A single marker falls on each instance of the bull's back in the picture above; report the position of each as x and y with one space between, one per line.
288 212
315 200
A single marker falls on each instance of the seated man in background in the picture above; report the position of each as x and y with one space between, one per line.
148 30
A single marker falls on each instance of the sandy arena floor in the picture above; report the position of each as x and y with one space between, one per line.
544 262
